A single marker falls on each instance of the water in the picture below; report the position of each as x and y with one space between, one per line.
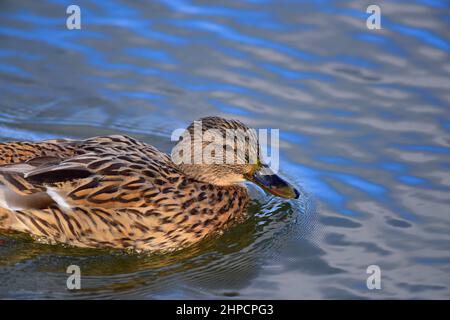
365 134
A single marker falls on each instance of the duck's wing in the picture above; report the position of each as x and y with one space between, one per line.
23 185
84 170
98 194
92 180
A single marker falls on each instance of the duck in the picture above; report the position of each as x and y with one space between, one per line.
115 192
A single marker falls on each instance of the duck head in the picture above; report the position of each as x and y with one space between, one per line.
226 152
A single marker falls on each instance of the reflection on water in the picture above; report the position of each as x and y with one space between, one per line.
365 129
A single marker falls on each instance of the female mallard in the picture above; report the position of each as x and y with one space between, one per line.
117 192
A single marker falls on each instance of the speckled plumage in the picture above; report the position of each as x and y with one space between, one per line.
110 191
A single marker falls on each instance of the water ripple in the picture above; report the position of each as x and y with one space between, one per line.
363 118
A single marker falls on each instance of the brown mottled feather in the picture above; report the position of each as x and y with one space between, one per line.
110 191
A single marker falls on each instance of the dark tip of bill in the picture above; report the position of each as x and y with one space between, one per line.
297 194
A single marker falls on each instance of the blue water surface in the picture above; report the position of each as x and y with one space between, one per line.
364 120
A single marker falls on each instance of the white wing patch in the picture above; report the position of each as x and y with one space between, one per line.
3 202
58 198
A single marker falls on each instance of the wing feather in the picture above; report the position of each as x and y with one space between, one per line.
107 172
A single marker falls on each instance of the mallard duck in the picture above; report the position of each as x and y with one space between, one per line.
117 192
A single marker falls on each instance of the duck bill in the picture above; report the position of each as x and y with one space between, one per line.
272 183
